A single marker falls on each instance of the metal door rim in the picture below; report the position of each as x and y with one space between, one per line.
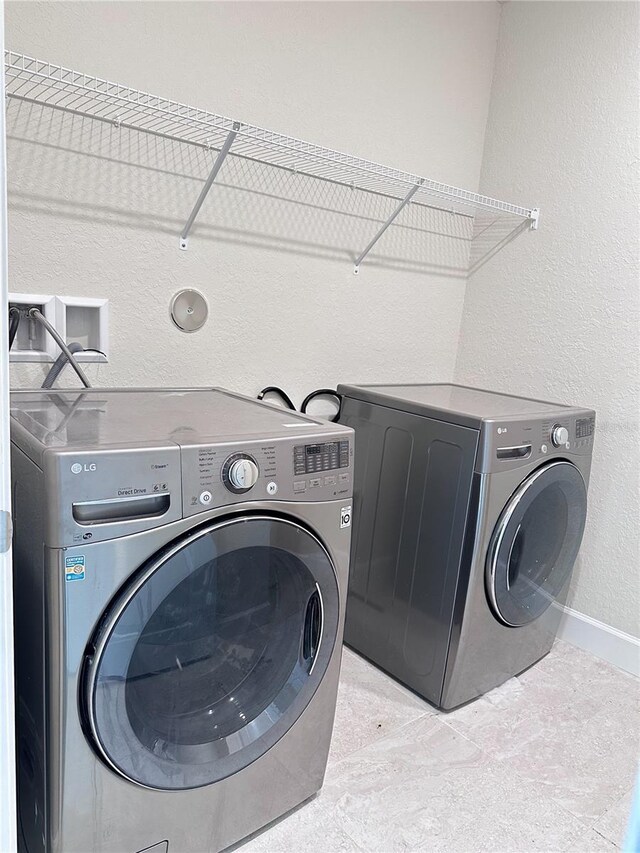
87 683
505 519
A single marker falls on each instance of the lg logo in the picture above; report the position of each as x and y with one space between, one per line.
78 468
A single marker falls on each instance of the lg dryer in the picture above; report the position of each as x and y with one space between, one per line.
181 563
469 512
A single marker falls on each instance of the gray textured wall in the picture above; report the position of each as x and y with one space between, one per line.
96 211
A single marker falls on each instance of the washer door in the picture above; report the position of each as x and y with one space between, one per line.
536 542
211 653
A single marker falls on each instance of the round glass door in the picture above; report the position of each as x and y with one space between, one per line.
211 653
536 542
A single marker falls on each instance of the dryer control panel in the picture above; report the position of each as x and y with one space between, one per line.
516 442
281 469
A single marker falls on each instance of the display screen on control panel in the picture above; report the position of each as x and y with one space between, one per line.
309 458
585 427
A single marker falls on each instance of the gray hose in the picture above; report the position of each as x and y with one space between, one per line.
39 316
58 365
14 322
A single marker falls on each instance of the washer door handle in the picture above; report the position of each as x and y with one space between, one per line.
513 543
312 631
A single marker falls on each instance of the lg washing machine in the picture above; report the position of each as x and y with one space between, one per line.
469 512
181 562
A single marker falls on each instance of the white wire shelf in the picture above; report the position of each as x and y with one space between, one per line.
37 82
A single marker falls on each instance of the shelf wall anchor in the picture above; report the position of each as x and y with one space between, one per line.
534 217
405 201
213 174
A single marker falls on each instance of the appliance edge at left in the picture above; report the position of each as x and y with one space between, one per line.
8 838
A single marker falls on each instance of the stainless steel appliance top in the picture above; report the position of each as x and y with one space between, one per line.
456 403
90 419
120 461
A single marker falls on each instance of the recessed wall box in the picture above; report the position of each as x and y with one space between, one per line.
32 342
76 318
85 321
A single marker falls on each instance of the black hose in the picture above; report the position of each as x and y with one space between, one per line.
58 365
14 322
323 392
273 389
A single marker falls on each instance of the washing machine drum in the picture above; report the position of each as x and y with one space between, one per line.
535 543
211 653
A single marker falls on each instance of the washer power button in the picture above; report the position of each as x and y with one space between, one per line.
272 488
205 498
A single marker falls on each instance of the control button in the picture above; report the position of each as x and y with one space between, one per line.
330 481
559 435
272 488
243 473
544 448
568 445
315 482
205 498
300 486
240 473
343 478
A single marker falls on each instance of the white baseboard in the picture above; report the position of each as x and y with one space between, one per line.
603 641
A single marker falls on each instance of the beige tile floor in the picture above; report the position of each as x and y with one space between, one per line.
545 762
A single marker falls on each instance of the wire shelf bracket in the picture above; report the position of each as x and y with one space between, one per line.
486 220
208 183
405 201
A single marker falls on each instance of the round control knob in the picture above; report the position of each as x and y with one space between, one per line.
559 435
242 473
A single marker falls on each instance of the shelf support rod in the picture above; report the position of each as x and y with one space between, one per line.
213 174
405 201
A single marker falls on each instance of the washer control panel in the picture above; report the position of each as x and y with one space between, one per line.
282 469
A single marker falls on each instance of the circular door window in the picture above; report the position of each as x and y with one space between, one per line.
536 542
212 652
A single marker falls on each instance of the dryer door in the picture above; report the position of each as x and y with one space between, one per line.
536 542
211 653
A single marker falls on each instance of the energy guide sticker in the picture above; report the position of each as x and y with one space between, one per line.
74 568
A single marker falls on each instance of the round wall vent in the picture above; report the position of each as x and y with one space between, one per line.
189 310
